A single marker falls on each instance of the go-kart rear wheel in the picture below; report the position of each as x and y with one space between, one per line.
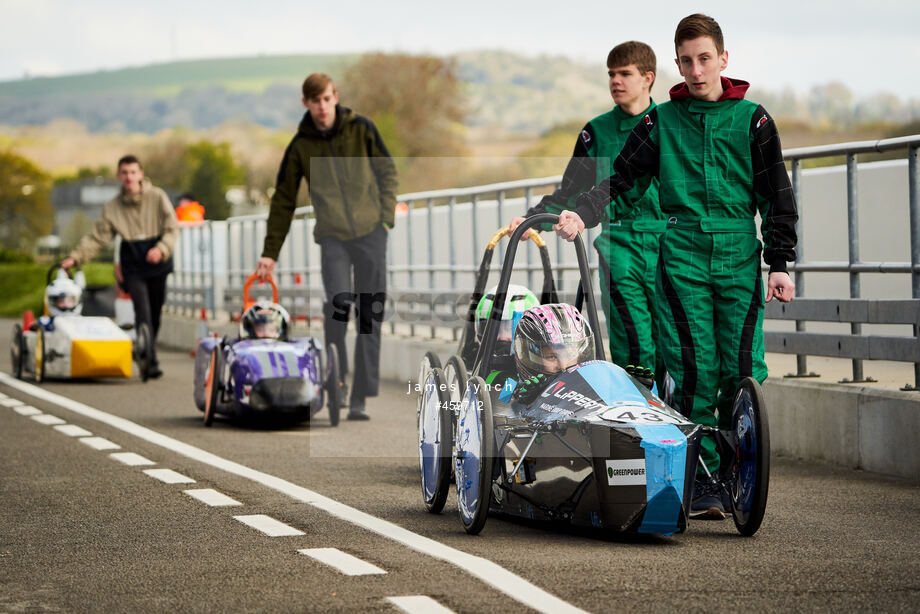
143 350
434 441
750 470
333 384
39 371
212 384
16 351
475 456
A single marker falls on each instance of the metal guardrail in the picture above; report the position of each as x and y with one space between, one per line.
433 250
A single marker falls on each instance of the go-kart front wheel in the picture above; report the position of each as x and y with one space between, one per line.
39 371
212 384
434 441
333 382
750 469
475 456
143 350
16 351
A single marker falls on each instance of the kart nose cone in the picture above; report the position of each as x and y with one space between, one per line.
282 394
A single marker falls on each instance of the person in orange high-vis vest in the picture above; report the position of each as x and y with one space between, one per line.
189 211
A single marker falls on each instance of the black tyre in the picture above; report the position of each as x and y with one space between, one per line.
16 351
212 384
39 371
143 350
455 378
434 441
750 469
334 388
475 456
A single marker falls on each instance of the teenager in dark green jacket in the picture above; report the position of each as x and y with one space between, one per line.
352 183
719 162
627 246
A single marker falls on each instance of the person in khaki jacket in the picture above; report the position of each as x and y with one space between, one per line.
352 183
144 219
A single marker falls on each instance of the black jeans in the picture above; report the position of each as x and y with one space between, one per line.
354 277
148 295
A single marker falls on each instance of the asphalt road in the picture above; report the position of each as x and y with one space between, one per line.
81 531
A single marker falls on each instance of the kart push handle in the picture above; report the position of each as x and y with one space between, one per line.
503 232
249 302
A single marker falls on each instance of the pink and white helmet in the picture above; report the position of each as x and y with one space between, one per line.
551 338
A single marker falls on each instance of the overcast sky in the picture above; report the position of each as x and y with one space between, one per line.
869 46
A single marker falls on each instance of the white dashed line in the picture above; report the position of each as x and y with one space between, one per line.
11 402
268 525
3 396
479 567
169 476
211 497
344 562
48 419
418 604
72 430
27 410
131 459
98 443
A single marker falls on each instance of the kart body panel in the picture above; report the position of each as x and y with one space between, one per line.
599 450
78 347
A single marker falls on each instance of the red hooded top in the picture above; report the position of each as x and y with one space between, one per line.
732 89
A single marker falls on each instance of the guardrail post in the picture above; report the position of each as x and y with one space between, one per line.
913 177
528 196
409 259
853 239
801 360
451 256
429 208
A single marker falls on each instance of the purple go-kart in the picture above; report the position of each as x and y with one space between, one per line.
264 373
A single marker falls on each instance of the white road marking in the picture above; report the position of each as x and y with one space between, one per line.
269 526
98 443
346 563
169 476
419 604
131 459
72 430
48 419
27 410
10 402
3 396
488 572
211 497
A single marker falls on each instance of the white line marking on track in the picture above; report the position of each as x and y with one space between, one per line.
48 419
27 410
98 443
3 396
346 563
211 497
10 402
72 430
269 526
485 570
131 459
419 604
169 476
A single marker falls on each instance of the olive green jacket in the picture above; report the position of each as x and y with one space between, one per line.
349 173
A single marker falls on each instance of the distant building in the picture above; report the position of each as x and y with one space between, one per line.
86 197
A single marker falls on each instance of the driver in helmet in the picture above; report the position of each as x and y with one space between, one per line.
547 340
62 297
265 320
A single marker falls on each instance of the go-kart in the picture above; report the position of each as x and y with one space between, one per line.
289 379
596 448
77 346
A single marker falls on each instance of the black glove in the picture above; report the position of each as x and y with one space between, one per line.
528 390
646 377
